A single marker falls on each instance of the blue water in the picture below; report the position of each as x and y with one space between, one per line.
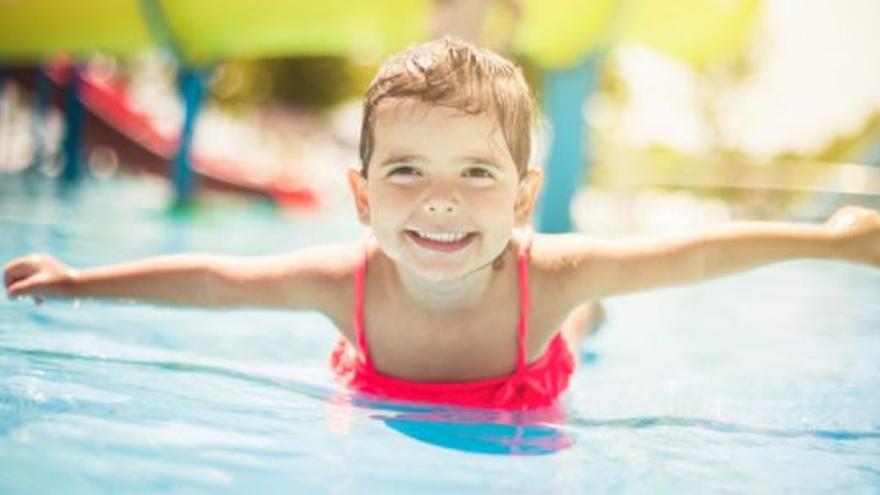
764 382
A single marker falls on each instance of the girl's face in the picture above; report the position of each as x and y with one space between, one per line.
442 194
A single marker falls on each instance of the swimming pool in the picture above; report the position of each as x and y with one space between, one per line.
762 382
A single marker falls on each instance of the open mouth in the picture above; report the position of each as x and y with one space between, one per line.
441 241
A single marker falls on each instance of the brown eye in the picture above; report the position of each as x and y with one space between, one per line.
478 173
404 171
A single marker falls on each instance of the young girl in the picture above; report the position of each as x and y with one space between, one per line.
447 301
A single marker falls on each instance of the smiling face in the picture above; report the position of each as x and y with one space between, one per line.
442 194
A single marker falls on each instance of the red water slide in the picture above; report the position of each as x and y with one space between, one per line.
112 121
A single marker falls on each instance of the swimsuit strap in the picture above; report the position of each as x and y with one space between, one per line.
525 300
360 281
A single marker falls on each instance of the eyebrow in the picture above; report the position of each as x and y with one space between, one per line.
475 159
401 158
479 159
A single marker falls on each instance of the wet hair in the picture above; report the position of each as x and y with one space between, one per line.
452 73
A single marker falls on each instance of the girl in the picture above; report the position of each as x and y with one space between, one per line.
448 301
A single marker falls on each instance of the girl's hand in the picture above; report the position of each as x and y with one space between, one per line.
37 275
857 231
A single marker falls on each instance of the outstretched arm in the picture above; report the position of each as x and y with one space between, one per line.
587 269
305 279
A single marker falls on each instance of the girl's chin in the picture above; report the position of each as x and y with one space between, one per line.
439 272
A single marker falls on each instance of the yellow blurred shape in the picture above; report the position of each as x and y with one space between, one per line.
32 30
699 31
557 33
208 30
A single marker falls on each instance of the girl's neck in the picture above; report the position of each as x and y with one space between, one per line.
458 294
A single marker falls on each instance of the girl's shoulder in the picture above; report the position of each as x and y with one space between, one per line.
553 253
331 261
561 269
339 265
325 274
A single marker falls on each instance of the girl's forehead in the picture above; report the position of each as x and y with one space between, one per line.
409 111
408 122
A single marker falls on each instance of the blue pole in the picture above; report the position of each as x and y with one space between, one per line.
42 93
192 91
73 118
874 155
565 92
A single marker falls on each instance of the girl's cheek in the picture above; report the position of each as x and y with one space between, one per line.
398 196
492 198
391 205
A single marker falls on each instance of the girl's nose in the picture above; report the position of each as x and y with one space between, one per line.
440 206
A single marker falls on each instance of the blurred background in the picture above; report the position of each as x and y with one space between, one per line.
658 114
131 128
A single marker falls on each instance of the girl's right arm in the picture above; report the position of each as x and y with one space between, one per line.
309 278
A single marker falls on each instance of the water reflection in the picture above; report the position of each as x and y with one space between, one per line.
482 431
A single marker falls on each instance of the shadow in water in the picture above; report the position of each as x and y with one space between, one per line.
481 431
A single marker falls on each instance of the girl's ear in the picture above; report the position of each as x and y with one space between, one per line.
358 185
526 195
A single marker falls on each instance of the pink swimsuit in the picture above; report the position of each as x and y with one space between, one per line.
531 385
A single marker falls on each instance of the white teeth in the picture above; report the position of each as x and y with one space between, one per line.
441 236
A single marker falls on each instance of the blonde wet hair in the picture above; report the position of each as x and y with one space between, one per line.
452 73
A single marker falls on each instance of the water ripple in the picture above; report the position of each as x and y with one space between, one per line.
648 422
310 390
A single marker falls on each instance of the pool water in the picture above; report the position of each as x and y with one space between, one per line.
766 381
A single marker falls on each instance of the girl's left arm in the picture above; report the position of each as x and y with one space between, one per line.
587 269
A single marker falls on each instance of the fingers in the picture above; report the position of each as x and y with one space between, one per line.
13 278
17 290
16 276
854 218
857 212
27 287
18 269
24 277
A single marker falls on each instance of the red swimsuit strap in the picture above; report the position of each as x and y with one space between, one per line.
360 279
525 303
